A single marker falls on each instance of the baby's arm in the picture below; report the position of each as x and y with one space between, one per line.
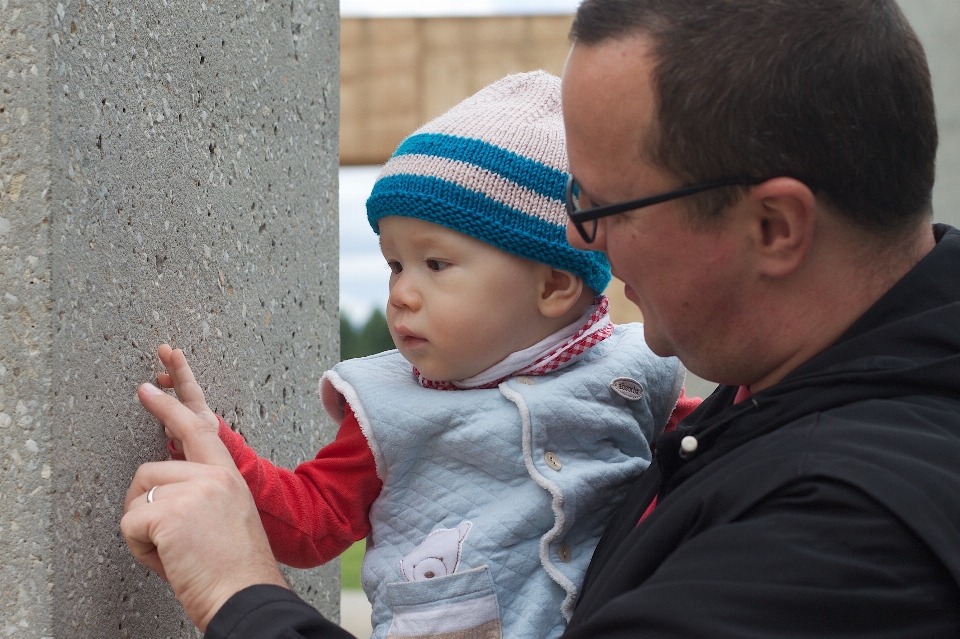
312 514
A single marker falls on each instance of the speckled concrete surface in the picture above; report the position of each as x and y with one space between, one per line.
167 173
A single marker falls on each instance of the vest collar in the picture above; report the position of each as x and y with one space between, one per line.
549 354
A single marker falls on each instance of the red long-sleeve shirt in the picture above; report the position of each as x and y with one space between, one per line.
313 513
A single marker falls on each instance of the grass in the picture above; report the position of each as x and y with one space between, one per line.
350 562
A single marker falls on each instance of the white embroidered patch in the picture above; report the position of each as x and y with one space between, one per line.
437 556
629 389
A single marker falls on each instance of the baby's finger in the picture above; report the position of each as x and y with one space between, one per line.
164 351
181 379
176 443
188 390
199 437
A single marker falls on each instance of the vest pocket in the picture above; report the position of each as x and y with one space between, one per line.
458 606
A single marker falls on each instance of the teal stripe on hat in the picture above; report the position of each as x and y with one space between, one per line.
441 202
528 173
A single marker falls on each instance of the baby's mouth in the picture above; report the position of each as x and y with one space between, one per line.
409 338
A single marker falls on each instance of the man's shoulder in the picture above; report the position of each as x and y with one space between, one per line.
899 452
900 455
910 437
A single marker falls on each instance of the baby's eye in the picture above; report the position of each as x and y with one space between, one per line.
437 265
395 267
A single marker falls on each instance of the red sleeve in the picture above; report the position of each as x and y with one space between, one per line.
685 406
313 513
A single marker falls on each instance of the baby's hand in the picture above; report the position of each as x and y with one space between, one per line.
180 378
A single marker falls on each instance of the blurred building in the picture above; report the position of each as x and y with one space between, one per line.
397 73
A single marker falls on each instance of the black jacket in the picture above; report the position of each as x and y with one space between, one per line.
826 505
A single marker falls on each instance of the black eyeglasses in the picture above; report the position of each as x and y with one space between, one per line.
586 219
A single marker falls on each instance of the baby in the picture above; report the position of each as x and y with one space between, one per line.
483 457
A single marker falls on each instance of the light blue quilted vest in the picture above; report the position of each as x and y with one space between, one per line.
516 484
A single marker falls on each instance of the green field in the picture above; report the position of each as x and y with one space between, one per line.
350 566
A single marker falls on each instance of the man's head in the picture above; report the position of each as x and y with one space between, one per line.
834 93
826 103
471 220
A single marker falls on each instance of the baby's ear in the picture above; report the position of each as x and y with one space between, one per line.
559 291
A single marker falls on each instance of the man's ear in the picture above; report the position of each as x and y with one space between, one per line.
782 220
559 291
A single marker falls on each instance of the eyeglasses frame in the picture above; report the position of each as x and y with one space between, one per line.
579 216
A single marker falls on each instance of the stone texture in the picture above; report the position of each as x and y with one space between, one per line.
167 173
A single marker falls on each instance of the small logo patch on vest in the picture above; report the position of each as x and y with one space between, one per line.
629 389
437 556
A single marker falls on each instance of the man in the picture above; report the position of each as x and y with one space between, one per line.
817 492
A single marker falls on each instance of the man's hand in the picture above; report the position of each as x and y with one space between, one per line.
202 532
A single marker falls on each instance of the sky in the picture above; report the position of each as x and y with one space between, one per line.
363 272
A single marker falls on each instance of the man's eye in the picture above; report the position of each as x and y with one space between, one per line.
436 265
395 267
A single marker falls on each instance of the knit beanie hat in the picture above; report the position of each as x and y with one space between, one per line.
494 167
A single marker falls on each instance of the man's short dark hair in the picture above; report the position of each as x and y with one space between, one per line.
835 93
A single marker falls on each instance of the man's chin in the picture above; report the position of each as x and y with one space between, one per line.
631 295
657 343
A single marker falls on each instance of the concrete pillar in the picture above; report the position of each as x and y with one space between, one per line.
167 173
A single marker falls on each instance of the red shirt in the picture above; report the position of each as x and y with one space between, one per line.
314 513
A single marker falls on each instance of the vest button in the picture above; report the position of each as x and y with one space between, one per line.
526 381
552 460
564 553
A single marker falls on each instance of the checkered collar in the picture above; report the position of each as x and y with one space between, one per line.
545 357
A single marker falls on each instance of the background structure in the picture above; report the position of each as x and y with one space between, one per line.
168 172
397 73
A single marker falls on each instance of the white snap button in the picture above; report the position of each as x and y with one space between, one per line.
526 381
552 460
688 446
564 553
629 389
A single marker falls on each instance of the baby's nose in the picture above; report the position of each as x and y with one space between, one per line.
404 294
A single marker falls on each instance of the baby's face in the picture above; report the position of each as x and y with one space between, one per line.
457 305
